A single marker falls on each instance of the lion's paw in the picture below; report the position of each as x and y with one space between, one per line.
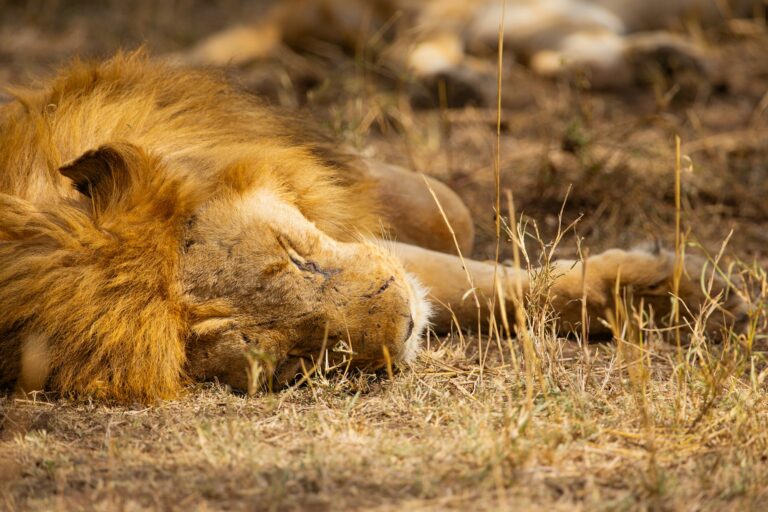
648 279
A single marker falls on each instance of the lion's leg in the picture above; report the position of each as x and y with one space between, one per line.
35 363
260 39
237 45
298 24
450 283
647 279
649 276
664 55
445 74
412 211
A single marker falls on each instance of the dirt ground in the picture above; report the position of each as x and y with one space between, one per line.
635 424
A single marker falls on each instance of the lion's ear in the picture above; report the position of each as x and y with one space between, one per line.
104 174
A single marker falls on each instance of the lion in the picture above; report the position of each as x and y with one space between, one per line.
159 227
610 43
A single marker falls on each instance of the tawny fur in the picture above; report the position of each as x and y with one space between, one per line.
100 279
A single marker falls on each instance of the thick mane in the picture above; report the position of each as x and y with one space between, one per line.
107 302
193 120
98 281
90 250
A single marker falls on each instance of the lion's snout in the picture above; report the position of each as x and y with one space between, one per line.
376 309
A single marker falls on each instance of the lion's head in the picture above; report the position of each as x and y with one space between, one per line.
153 259
263 280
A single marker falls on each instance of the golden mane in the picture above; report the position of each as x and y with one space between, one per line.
98 278
191 119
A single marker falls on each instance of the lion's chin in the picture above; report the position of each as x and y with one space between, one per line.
421 311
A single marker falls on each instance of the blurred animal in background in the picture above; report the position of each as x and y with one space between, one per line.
157 226
606 43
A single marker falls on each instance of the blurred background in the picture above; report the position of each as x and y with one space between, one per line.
594 142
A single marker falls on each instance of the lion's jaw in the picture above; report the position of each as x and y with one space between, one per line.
262 279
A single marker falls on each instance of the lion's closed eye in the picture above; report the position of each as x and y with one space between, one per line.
290 249
301 262
296 258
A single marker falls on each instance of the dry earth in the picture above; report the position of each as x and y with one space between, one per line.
481 422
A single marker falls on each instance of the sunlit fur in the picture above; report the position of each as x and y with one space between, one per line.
97 282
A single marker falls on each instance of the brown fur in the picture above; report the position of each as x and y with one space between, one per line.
99 277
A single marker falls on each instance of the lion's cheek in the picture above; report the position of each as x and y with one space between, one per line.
242 362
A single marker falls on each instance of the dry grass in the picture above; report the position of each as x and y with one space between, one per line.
486 423
613 426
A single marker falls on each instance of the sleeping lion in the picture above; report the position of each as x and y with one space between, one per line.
611 43
157 227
